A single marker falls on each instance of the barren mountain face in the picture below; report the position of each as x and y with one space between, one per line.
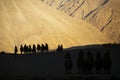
102 14
67 22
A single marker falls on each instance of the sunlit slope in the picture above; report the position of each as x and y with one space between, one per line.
114 27
107 20
102 14
32 22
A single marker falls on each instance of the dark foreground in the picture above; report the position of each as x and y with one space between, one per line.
65 77
50 66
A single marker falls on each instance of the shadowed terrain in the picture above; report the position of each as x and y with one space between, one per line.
51 65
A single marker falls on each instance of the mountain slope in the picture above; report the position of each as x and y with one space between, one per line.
32 21
103 14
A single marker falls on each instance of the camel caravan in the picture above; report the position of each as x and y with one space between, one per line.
36 48
85 65
89 64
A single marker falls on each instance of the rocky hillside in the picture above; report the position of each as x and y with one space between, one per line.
67 22
103 14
